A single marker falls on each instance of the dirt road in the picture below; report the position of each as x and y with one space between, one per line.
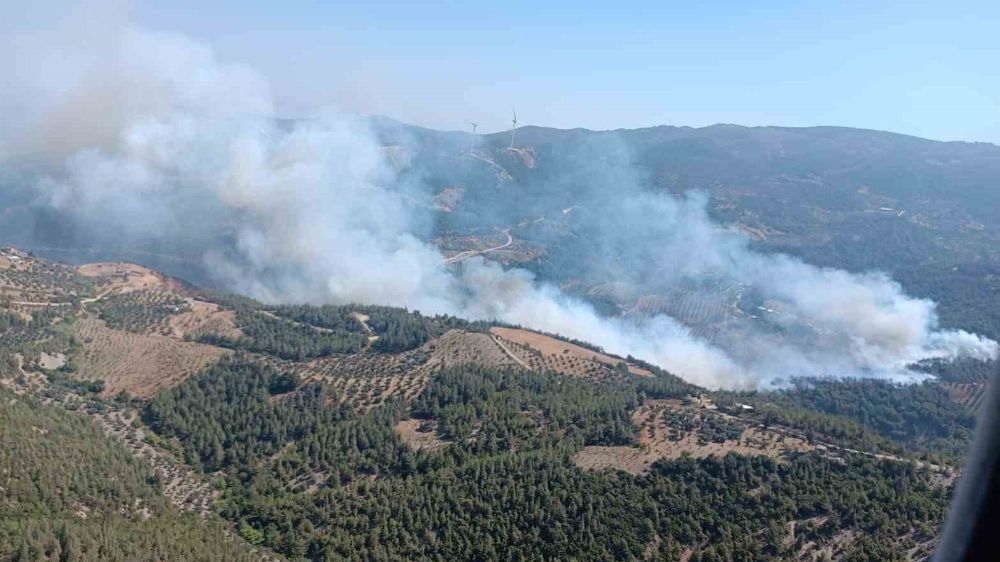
509 352
83 301
470 253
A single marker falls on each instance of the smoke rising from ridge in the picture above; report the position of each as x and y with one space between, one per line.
156 140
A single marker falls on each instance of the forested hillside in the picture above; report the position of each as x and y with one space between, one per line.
504 486
71 493
922 417
152 420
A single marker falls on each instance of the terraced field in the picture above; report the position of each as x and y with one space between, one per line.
369 379
139 364
651 305
546 353
615 291
144 311
707 315
26 278
181 485
18 327
200 317
971 395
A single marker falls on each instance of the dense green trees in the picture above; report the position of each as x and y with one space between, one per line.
298 332
230 415
464 399
961 370
240 413
71 493
328 317
920 417
263 332
397 329
317 480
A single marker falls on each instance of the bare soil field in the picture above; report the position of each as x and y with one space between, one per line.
419 435
668 430
448 199
562 357
204 317
139 364
458 347
49 362
121 276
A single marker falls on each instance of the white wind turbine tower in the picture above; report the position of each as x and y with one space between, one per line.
513 128
472 143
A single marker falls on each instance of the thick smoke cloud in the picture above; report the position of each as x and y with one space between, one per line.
154 139
817 322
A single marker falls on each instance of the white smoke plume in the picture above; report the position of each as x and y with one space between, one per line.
148 135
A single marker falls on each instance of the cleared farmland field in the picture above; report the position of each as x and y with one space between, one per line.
140 364
369 379
546 353
668 430
25 277
200 317
366 381
145 311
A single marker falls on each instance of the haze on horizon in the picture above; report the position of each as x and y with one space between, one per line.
912 68
918 68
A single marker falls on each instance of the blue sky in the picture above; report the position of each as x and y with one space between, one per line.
928 69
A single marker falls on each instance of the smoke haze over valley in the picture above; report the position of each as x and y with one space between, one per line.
146 140
330 281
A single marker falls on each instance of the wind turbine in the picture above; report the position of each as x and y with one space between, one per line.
513 128
472 143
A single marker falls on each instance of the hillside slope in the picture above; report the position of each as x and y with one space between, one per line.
926 212
72 493
373 433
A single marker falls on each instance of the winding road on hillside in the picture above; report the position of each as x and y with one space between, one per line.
470 253
82 301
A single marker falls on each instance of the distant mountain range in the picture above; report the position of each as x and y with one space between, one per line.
926 212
